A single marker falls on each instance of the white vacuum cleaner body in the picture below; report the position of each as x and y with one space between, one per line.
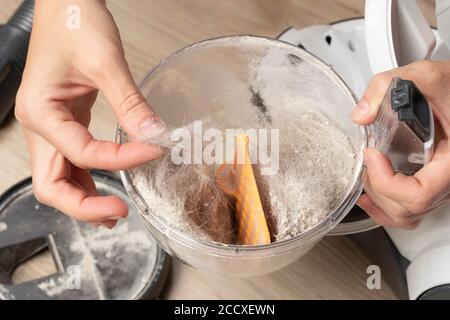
392 34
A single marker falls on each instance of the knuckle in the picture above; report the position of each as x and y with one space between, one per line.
128 105
378 185
421 204
410 225
401 222
78 158
79 161
382 79
402 213
413 225
22 107
19 113
398 214
42 193
430 71
30 105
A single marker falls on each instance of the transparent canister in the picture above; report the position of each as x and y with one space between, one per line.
201 78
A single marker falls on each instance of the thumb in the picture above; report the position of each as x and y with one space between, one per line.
367 109
132 110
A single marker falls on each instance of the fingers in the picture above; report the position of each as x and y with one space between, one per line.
75 142
434 179
60 121
84 178
58 184
367 109
380 217
72 199
384 179
427 75
135 115
377 214
402 200
397 215
417 193
393 197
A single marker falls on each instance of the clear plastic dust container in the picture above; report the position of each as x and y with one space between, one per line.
219 74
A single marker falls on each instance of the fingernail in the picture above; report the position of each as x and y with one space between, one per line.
361 110
151 128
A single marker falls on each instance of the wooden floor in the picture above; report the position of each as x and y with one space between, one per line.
152 29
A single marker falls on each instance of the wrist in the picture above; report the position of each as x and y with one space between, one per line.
53 19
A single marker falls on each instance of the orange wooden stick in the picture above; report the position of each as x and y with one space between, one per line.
238 180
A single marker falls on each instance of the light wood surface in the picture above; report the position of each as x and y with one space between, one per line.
152 29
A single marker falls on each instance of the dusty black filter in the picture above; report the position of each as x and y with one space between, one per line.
92 263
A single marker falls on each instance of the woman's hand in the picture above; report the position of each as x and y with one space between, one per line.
65 69
393 199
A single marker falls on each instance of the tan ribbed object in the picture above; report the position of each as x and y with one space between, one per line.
238 180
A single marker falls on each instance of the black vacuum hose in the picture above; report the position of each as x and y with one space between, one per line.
14 39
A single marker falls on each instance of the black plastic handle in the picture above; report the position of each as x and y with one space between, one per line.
412 108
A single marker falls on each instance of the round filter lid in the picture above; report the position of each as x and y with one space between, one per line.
91 263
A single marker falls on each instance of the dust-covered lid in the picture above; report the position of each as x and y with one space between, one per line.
91 263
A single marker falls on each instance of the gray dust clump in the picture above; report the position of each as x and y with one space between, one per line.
316 167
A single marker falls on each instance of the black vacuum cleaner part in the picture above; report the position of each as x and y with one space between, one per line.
91 263
14 39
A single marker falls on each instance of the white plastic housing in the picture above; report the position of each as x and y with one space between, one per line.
428 249
443 20
397 34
